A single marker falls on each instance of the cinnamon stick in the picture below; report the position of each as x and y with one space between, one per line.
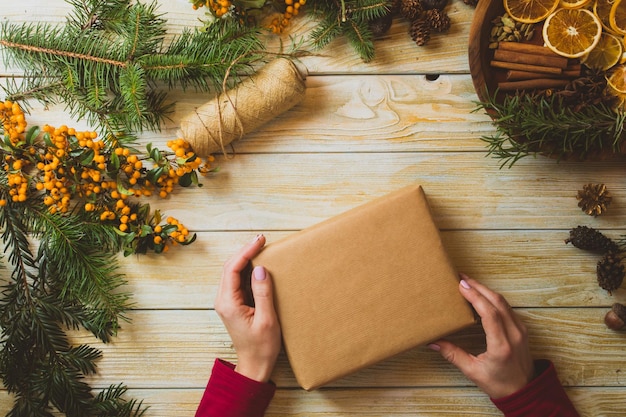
516 75
536 84
526 67
528 48
531 59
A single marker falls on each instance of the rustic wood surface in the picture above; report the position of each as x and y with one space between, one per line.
364 130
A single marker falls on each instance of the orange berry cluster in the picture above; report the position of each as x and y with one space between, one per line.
218 7
292 8
13 120
64 168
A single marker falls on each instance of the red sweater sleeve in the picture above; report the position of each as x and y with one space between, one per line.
544 396
229 394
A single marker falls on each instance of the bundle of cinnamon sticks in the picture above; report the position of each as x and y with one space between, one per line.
533 67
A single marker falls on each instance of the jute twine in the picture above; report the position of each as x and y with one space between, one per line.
273 89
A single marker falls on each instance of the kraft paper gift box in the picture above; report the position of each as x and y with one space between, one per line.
363 286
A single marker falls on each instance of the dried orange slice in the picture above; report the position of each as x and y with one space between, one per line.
573 4
617 81
602 10
617 17
572 32
530 11
606 53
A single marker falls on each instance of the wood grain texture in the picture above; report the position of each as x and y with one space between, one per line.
388 402
532 268
363 130
176 349
395 53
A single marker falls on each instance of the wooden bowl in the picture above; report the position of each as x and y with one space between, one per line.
485 78
479 54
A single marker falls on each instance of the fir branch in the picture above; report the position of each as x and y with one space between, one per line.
361 39
81 271
109 74
529 125
349 18
71 282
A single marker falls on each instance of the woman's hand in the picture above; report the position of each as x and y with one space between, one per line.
506 366
255 331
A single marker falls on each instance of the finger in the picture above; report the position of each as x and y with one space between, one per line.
491 317
264 310
455 355
231 278
508 315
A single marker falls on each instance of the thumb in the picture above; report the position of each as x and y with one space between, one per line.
453 354
262 293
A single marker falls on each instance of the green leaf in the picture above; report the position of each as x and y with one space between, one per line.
47 140
114 162
189 240
155 154
146 230
154 174
186 180
122 189
32 134
87 157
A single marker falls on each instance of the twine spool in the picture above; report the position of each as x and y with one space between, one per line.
273 89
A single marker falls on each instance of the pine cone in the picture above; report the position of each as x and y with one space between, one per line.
381 25
610 272
594 199
588 238
420 31
434 4
410 9
438 20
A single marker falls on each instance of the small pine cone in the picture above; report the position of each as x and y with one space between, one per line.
438 20
381 25
594 199
610 272
588 238
420 31
434 4
410 9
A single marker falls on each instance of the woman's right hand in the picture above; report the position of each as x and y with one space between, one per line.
255 331
506 366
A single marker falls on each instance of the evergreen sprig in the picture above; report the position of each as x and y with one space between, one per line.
69 283
349 18
108 63
528 125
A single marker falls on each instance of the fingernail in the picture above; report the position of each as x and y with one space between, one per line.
435 347
465 285
257 237
259 273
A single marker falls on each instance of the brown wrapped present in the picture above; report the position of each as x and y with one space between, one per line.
363 286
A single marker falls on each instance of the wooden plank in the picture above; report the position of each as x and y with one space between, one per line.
395 52
465 190
368 113
176 349
425 402
531 268
360 114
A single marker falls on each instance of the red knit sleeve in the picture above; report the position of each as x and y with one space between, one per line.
544 396
230 394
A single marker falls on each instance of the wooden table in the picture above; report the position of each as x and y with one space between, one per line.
364 130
